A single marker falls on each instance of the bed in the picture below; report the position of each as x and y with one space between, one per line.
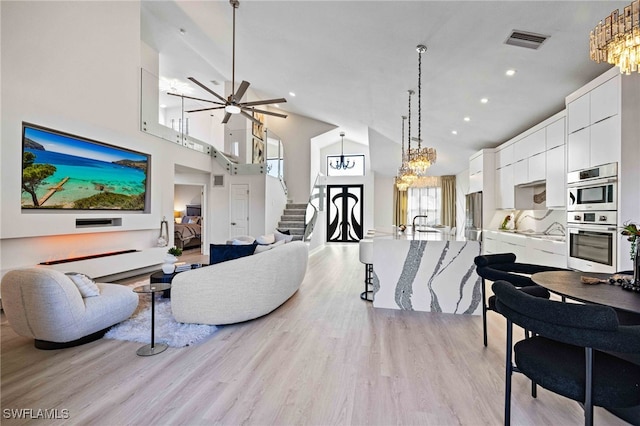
188 233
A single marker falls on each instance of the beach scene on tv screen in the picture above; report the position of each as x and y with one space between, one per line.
62 172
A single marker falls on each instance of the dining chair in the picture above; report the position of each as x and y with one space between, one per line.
503 266
566 353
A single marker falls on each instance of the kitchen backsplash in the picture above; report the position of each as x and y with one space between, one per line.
552 222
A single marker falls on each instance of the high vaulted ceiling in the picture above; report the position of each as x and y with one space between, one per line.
350 63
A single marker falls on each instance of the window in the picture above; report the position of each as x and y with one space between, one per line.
357 170
424 202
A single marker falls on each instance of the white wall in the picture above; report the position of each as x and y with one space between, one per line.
186 195
75 67
296 132
383 203
276 201
462 188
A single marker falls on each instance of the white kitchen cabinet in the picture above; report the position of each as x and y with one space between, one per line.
537 142
490 242
556 177
603 147
481 169
578 150
578 114
605 100
504 156
546 252
521 172
516 244
555 134
536 167
594 145
475 163
505 187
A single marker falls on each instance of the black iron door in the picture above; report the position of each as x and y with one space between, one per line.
344 213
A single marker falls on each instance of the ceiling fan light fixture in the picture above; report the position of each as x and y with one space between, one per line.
232 109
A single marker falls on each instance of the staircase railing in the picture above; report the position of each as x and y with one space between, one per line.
314 205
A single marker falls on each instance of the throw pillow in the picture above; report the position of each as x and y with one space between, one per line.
266 239
223 252
261 248
86 286
279 236
185 219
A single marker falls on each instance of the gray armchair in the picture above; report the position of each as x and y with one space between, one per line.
46 305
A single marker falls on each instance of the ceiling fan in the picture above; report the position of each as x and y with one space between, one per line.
233 104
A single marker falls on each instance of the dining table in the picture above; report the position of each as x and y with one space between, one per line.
569 284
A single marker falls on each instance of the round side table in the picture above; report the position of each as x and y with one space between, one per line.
152 348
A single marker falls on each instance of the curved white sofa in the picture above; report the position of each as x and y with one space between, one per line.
240 289
46 305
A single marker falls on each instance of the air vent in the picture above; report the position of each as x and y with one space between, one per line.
526 39
218 180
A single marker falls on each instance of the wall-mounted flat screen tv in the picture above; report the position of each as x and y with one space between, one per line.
63 171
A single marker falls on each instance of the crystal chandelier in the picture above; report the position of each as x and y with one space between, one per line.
405 175
341 164
617 41
420 159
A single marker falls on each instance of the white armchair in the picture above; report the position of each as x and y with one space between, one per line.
46 305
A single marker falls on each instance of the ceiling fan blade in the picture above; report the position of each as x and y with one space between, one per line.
268 101
207 89
276 114
195 99
226 118
205 109
250 117
241 91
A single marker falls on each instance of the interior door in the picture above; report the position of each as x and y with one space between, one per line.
344 213
239 210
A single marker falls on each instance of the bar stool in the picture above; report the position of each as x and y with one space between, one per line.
366 257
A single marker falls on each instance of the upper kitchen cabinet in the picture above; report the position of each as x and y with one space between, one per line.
594 123
537 166
605 100
481 170
578 114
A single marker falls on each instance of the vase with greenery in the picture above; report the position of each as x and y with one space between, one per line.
631 231
169 267
175 251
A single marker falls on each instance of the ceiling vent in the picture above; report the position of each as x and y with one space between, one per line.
526 39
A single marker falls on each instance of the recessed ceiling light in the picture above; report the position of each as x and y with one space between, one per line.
454 132
510 73
276 105
291 94
163 106
467 119
484 100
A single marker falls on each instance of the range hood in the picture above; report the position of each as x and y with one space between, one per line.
530 184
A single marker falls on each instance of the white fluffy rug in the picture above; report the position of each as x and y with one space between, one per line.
167 329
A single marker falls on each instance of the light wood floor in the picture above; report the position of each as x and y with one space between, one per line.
323 358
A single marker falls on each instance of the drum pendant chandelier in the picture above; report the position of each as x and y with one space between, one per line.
617 41
420 159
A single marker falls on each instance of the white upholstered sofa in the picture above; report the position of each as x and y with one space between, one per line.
47 306
240 289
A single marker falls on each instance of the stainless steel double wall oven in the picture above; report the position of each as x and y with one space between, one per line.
592 199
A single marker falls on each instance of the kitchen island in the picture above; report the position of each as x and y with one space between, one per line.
426 272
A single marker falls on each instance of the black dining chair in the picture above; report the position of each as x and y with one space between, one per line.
503 266
566 353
